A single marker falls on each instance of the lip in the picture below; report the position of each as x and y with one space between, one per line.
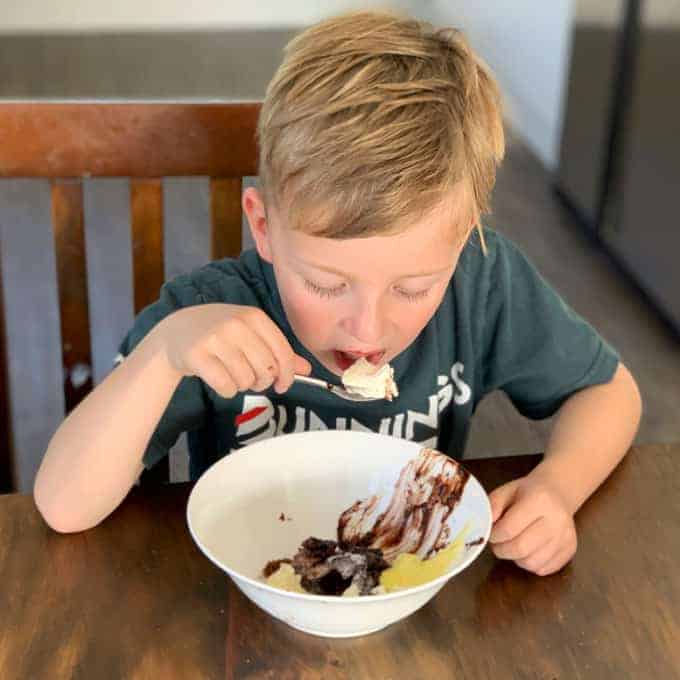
354 353
344 359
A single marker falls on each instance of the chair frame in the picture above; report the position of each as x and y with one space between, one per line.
145 142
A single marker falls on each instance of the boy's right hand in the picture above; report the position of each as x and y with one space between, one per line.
232 348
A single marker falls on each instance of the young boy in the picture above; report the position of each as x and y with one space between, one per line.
379 141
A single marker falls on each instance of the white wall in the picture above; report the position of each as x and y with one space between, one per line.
526 44
106 15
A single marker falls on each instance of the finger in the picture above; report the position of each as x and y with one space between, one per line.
301 365
248 357
526 544
240 370
557 562
539 557
562 556
553 557
279 346
262 361
516 518
263 383
213 372
500 498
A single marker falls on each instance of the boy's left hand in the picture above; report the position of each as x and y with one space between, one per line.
532 525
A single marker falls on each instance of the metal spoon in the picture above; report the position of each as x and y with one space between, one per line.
335 389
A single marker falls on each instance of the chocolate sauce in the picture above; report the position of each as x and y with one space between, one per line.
274 565
415 521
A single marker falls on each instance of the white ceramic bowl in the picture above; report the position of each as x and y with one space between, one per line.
235 515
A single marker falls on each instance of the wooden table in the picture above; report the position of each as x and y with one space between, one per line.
134 598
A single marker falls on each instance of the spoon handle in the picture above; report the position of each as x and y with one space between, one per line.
312 381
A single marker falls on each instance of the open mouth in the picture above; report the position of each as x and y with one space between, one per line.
345 359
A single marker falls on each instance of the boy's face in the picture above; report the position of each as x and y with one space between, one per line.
364 296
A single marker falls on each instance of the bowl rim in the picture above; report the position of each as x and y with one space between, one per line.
473 553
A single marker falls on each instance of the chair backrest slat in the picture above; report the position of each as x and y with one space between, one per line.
6 439
226 217
146 224
146 217
144 143
69 244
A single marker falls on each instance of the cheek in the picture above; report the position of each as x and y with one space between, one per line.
414 317
312 318
414 322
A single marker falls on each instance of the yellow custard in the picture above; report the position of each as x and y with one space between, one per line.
286 579
408 570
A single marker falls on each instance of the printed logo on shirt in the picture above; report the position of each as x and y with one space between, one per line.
261 419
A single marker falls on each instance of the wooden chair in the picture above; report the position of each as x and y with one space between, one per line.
145 143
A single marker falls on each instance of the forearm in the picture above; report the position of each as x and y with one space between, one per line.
95 456
593 431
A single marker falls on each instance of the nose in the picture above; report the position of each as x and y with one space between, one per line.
366 323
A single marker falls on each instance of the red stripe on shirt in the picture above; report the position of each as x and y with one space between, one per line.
249 415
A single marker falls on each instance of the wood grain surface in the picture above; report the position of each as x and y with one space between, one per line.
134 598
127 140
225 217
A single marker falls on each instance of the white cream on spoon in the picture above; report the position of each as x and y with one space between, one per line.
366 380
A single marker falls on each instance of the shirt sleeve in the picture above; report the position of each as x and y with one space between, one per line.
538 350
187 407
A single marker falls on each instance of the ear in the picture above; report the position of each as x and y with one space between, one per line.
253 207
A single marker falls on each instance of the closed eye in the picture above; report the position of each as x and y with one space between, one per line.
324 292
334 291
412 297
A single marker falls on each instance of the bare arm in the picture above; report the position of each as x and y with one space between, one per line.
593 431
95 456
534 515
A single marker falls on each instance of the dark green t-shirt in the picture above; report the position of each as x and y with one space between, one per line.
499 326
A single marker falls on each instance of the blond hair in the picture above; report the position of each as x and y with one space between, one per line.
369 122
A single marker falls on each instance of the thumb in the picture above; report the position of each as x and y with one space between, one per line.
301 365
501 497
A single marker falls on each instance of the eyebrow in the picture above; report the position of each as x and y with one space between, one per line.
337 272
